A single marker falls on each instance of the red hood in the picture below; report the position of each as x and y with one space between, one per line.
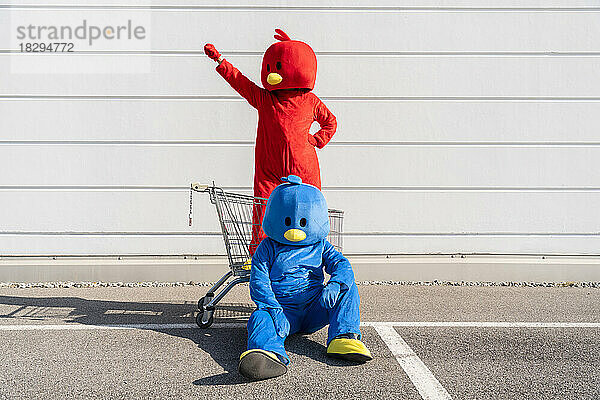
293 60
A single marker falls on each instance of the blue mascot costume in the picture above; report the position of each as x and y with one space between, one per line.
286 283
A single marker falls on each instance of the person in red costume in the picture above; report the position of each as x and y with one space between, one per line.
286 110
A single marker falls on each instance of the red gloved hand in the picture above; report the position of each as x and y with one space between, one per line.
211 52
312 140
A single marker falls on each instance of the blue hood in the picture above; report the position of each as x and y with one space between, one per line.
296 213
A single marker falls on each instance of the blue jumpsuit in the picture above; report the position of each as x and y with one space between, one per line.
290 278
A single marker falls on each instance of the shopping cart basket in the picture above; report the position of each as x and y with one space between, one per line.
235 211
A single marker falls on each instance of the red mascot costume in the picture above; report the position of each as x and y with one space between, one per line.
286 110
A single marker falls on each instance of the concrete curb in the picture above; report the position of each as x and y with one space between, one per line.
421 268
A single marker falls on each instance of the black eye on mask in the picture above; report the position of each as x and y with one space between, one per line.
303 222
288 221
278 64
268 68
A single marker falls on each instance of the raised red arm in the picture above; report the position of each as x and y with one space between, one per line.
244 86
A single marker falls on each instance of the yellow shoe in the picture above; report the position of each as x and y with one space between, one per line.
247 265
257 364
349 349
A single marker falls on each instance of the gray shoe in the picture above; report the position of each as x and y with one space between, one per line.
257 364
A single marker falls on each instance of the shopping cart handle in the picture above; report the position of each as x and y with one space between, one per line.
198 187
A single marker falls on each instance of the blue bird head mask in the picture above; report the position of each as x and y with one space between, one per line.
296 213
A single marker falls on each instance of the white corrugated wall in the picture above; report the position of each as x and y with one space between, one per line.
464 126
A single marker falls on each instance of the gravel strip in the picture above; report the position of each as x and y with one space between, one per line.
27 285
484 283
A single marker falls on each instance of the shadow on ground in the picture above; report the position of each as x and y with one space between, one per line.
224 345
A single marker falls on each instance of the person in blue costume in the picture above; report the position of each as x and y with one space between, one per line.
287 284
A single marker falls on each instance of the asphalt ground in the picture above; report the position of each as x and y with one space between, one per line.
433 342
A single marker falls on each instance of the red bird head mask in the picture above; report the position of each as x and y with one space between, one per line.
288 64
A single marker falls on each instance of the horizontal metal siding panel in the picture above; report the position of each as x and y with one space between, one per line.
17 245
347 76
117 165
369 212
104 211
173 245
358 121
395 30
481 244
318 4
352 166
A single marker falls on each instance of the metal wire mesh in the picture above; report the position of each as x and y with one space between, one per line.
336 230
235 216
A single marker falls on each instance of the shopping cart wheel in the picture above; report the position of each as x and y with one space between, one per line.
205 300
200 316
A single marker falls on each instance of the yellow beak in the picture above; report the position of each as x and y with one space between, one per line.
294 235
274 78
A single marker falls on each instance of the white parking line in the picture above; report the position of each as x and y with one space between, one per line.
83 327
426 384
238 325
484 324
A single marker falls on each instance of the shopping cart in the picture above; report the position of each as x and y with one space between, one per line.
235 217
